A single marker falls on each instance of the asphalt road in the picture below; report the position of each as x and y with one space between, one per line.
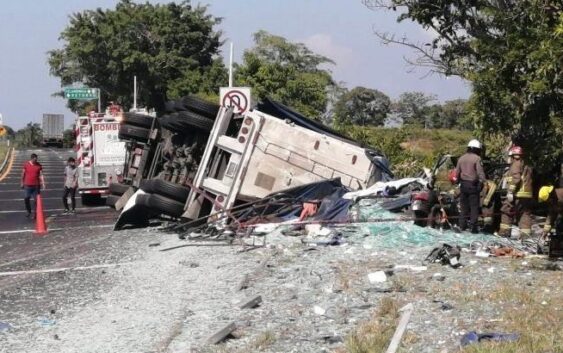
13 218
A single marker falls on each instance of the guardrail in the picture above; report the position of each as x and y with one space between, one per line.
6 159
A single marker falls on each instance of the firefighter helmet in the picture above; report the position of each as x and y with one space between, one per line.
544 193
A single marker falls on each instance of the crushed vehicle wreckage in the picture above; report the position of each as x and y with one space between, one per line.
200 160
213 172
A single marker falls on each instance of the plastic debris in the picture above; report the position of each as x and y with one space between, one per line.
474 337
377 277
46 322
4 326
318 310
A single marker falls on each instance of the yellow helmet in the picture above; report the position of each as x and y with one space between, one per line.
544 193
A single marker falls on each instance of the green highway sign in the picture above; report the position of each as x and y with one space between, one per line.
81 93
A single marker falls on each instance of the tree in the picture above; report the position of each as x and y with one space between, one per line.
413 108
286 72
362 106
511 51
29 136
69 137
171 48
450 115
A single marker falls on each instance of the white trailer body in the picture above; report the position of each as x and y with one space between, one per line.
100 154
53 129
268 155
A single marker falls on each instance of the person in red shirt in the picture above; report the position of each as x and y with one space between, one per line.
32 181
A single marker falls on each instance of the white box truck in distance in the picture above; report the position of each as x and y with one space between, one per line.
53 127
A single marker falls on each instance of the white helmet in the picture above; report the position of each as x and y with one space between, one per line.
474 144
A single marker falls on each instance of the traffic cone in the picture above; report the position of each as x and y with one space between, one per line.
40 225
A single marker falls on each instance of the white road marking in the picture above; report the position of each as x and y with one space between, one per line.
62 269
55 229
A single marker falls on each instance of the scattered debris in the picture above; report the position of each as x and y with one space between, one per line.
46 322
377 277
403 322
4 326
318 310
153 245
251 302
474 337
222 334
446 255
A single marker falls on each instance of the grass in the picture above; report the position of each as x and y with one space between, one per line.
375 334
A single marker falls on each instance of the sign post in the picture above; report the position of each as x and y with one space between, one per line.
236 97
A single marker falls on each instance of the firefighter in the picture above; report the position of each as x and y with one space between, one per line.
555 199
519 196
471 177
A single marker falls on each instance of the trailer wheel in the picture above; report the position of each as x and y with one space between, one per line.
136 119
111 200
164 205
130 132
118 189
199 106
185 121
165 188
196 120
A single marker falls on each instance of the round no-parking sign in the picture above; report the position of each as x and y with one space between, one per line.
237 98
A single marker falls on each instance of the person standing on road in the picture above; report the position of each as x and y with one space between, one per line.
519 196
70 185
471 177
32 181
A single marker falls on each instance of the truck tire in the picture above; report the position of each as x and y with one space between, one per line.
165 205
130 132
170 190
118 189
111 200
185 121
91 199
196 120
136 119
199 106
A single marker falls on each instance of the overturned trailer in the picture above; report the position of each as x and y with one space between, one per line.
245 158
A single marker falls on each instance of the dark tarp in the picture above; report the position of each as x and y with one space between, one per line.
287 204
281 111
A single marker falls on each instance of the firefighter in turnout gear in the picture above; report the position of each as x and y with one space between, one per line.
518 201
554 198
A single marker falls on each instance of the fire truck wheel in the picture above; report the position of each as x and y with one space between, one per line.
118 189
199 106
165 188
111 200
130 132
91 199
165 205
136 119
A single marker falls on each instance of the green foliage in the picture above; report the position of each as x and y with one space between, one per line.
362 106
450 115
69 138
171 48
286 72
413 108
512 52
410 148
29 136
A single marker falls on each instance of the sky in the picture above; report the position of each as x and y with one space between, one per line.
339 29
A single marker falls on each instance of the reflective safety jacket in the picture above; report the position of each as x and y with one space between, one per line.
519 179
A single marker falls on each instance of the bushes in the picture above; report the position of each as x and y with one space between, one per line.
409 148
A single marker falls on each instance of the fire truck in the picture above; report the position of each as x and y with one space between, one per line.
100 155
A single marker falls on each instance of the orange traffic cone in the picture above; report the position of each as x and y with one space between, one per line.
40 225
